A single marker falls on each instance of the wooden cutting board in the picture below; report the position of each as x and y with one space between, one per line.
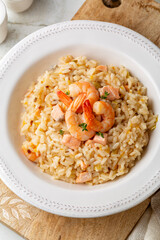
34 224
142 16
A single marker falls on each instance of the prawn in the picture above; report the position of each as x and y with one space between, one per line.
91 92
100 108
66 100
72 120
29 154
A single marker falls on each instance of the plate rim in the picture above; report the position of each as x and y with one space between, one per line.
4 174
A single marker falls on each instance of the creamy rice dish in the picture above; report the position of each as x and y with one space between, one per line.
86 123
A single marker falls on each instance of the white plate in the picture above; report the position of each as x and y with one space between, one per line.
108 43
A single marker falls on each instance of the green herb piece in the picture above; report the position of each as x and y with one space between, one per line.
100 134
68 92
61 132
83 126
105 95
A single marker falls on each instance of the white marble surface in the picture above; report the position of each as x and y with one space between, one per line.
40 14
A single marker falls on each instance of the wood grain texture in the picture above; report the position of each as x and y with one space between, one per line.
34 224
142 16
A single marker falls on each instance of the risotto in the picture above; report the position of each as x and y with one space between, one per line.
78 145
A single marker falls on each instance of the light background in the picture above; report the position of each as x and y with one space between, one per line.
41 14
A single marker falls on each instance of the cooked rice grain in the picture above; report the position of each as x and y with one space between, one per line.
126 139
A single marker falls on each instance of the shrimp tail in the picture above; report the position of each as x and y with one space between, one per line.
78 102
88 113
67 100
93 123
89 116
73 123
64 98
79 110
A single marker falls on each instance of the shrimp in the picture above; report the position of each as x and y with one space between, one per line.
29 154
67 100
102 108
91 93
72 120
64 98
